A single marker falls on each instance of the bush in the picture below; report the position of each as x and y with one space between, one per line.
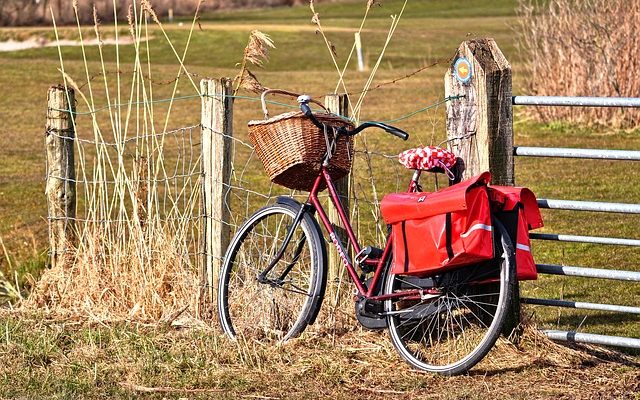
31 12
583 48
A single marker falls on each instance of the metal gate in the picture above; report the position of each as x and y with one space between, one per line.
629 276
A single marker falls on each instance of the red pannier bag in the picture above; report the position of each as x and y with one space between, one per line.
434 232
517 209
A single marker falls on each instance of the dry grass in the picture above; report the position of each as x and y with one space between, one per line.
69 359
139 187
583 48
255 53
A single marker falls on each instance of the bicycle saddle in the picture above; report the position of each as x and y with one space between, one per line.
427 158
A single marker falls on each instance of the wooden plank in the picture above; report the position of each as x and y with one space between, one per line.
480 125
61 177
217 132
338 104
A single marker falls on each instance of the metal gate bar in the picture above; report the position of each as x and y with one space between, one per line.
585 239
583 272
570 101
578 337
593 154
580 305
597 206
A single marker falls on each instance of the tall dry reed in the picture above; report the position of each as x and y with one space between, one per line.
583 48
139 190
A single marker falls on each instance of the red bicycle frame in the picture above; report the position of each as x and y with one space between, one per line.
379 263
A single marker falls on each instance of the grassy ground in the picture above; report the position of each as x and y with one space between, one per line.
54 359
71 359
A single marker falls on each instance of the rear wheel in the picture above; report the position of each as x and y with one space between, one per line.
280 304
458 316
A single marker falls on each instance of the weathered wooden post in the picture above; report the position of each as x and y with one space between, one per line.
61 176
217 133
338 104
480 125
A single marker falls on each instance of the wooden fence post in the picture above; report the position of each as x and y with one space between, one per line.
338 104
217 132
480 125
61 176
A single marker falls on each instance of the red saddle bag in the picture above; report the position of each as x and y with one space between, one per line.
434 232
517 209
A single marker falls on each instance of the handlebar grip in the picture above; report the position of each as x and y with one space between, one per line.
370 124
397 132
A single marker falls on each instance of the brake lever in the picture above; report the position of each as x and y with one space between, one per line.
306 110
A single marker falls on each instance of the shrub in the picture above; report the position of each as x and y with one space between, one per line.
30 12
583 48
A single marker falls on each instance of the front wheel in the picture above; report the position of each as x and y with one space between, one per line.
278 305
457 318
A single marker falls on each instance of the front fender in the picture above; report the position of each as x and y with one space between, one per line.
310 218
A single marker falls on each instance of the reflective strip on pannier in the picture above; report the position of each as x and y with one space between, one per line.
478 226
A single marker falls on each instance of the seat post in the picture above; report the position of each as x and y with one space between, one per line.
416 176
415 181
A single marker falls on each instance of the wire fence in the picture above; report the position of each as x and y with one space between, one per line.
140 215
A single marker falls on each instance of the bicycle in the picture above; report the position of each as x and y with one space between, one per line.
273 278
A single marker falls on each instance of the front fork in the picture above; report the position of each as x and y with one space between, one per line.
262 277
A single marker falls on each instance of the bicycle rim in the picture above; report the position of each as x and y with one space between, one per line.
269 312
450 332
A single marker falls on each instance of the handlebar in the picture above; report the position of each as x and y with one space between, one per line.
371 124
304 107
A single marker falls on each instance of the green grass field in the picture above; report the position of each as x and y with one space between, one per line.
70 359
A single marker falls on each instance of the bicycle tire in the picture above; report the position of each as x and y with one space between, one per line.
271 312
451 333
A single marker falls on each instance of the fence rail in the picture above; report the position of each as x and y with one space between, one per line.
584 272
579 337
593 154
581 305
569 101
585 239
595 206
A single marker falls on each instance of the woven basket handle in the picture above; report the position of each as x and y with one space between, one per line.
286 93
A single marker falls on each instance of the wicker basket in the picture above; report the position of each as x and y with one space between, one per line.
291 147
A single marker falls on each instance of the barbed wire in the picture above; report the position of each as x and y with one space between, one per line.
407 76
250 98
196 75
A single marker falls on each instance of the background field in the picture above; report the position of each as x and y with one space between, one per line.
70 359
